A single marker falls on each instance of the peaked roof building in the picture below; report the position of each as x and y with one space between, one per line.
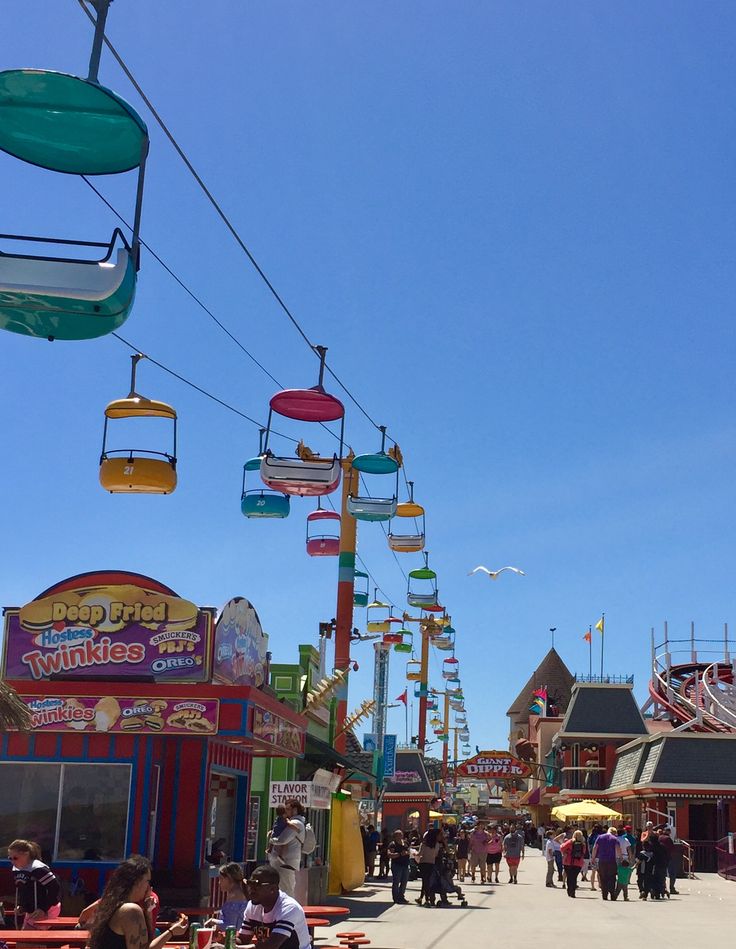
551 673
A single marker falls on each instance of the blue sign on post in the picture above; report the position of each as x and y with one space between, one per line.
389 756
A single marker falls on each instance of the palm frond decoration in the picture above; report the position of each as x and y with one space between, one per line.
14 713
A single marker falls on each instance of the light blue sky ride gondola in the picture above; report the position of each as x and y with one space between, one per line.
261 502
74 126
364 507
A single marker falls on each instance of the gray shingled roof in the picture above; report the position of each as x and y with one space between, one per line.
603 710
678 759
695 761
551 672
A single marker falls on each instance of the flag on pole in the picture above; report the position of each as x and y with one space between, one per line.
402 697
588 637
600 625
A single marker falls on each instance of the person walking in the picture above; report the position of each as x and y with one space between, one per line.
665 839
371 841
549 856
494 848
594 835
428 850
384 860
286 856
557 851
461 854
398 853
478 845
606 851
573 859
623 877
513 849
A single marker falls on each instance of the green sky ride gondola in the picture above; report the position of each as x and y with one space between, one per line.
75 126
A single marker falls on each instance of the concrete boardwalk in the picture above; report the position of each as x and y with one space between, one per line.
531 914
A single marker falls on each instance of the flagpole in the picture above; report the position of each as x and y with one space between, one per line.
406 718
603 636
590 653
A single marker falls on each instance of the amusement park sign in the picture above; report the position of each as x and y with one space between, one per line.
493 764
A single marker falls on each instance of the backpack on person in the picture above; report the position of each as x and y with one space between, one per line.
577 850
309 844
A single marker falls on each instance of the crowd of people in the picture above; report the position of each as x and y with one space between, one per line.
443 858
446 857
610 856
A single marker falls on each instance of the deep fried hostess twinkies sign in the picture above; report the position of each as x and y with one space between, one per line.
104 625
493 764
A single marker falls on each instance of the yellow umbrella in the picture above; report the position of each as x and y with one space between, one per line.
433 815
585 810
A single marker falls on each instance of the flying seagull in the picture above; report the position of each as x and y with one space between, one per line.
493 574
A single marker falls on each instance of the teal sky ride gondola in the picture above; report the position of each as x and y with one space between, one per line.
75 126
365 507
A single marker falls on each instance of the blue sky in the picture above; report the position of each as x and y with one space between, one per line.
512 225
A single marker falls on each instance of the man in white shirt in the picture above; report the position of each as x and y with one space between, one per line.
271 917
549 856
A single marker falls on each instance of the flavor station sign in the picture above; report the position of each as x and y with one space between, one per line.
493 764
106 713
93 627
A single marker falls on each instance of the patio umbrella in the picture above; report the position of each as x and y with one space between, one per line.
14 713
585 810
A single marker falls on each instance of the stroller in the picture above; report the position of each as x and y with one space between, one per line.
441 883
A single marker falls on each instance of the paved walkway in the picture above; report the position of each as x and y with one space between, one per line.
503 915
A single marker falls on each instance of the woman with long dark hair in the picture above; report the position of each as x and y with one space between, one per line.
119 922
428 850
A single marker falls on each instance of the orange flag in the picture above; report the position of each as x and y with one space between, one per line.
588 637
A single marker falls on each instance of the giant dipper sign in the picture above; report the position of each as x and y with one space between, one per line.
493 764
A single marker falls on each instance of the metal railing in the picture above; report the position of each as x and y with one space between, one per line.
583 779
726 858
605 680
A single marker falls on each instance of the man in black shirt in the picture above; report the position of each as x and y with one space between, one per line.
398 851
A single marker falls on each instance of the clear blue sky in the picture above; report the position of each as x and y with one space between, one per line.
514 228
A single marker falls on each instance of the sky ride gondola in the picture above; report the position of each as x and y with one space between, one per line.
306 474
74 126
450 668
376 622
422 588
414 670
408 542
446 640
364 507
466 750
261 502
464 734
360 589
323 533
137 471
406 643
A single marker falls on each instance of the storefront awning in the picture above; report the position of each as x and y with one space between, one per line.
323 754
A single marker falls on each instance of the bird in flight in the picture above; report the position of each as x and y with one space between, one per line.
494 574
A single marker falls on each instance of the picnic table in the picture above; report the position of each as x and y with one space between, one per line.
61 922
44 937
327 911
197 910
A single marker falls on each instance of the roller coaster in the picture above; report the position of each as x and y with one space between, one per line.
693 684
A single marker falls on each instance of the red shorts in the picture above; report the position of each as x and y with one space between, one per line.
513 861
